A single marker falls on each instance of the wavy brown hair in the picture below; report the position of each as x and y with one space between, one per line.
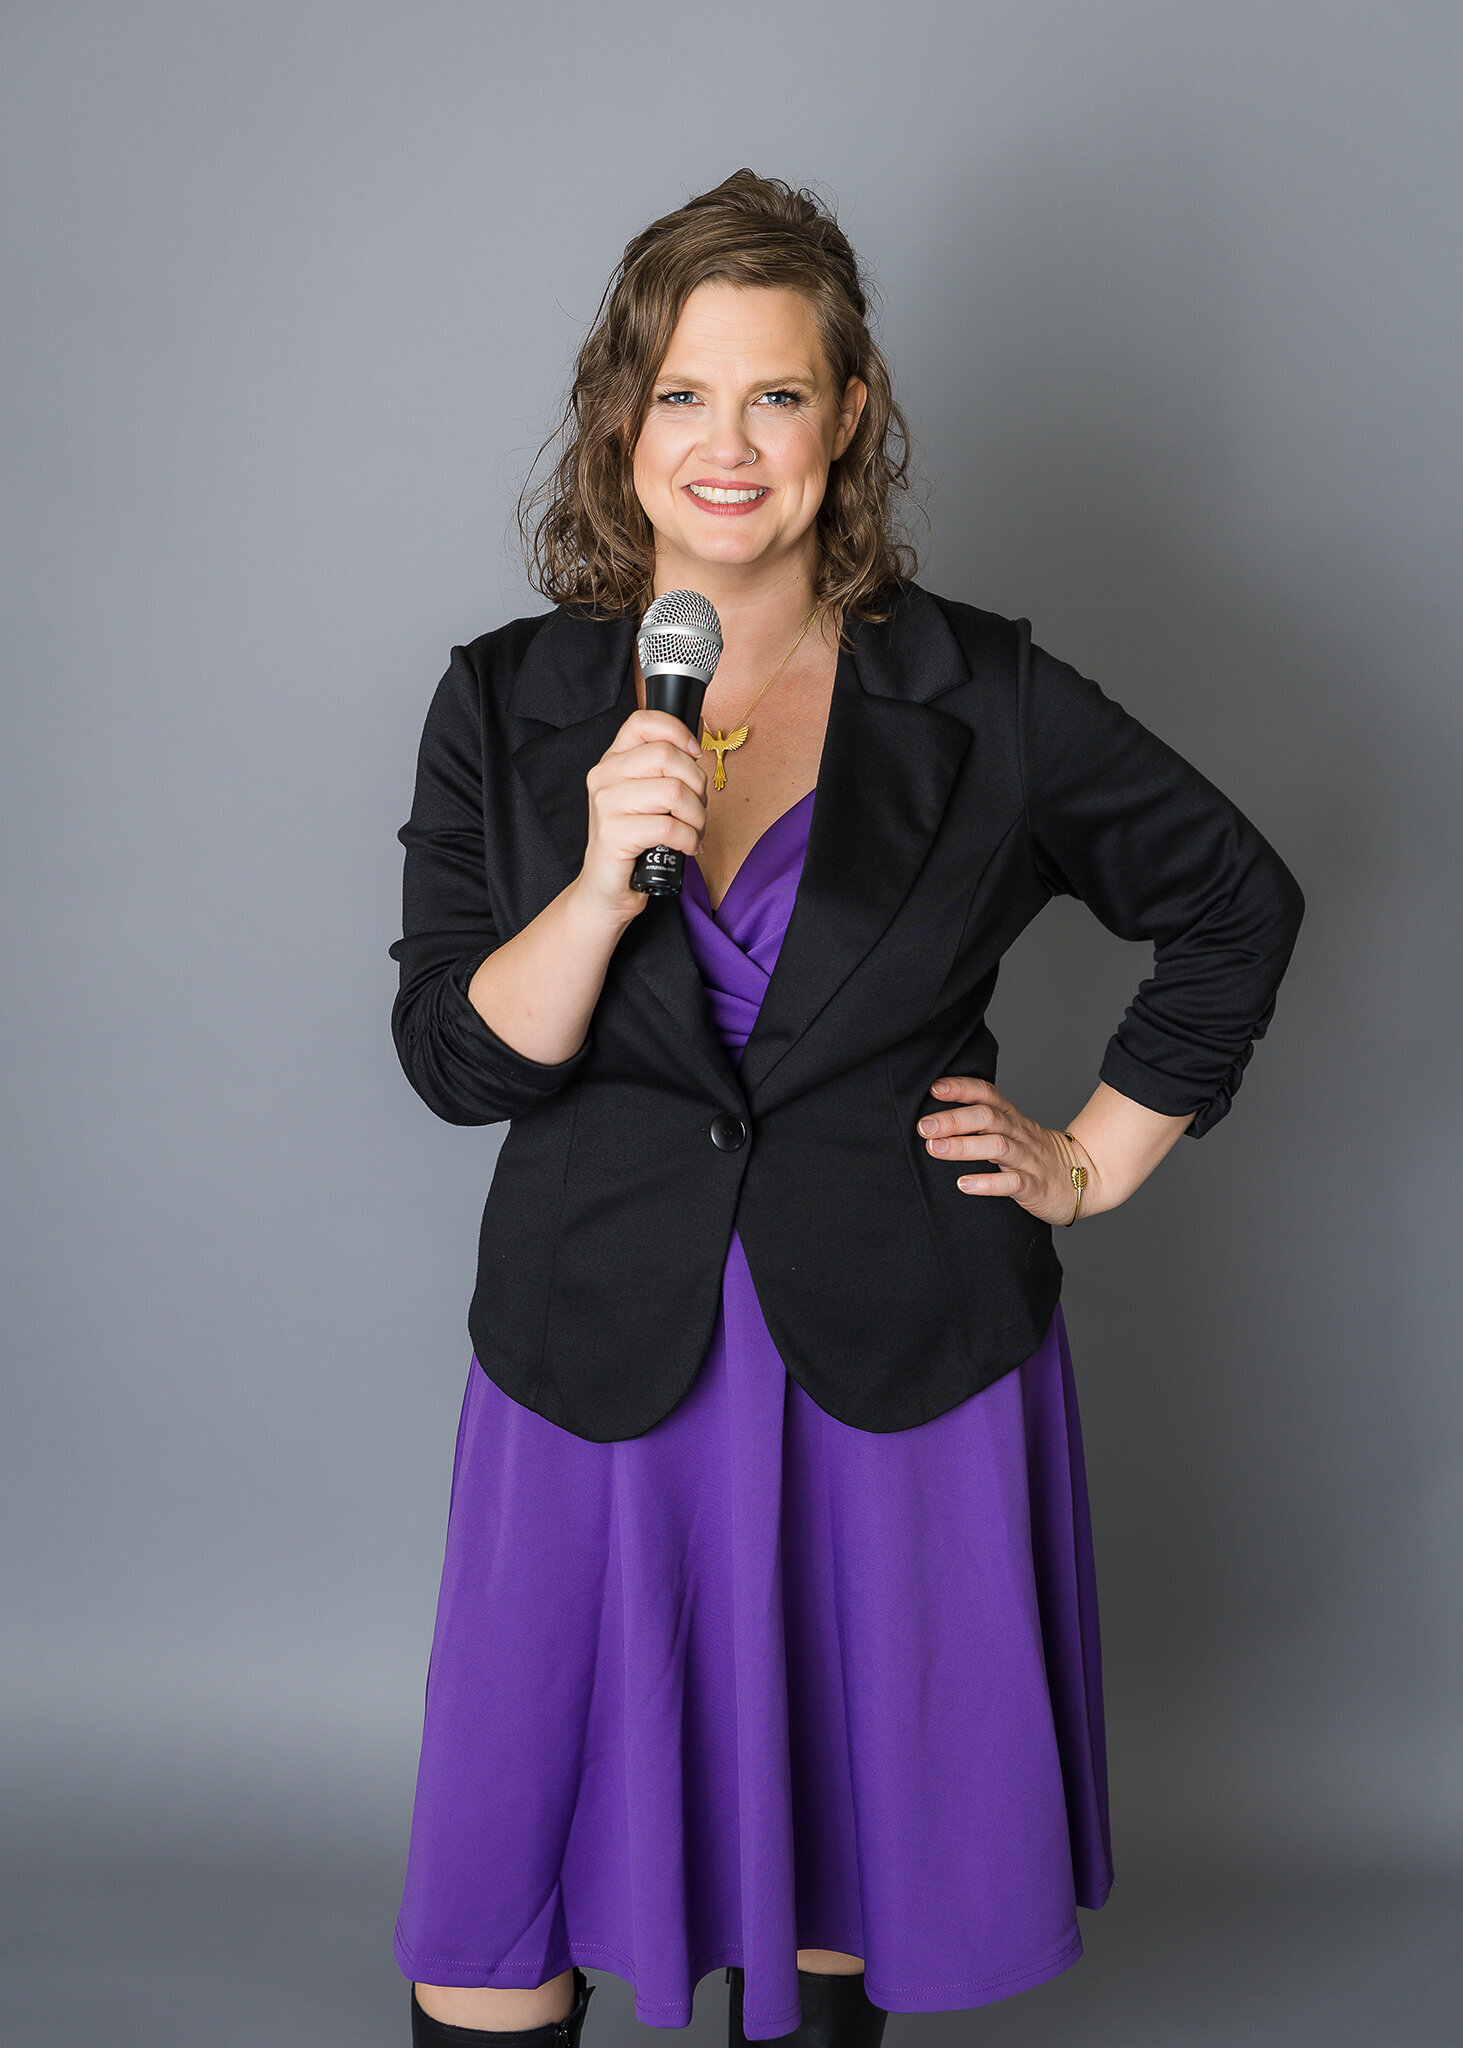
587 540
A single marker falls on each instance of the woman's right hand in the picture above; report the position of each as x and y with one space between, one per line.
648 789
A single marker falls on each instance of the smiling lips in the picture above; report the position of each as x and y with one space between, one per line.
726 498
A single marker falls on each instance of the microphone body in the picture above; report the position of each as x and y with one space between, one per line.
661 870
679 645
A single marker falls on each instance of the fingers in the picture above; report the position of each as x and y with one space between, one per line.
985 1126
1015 1168
1014 1184
654 774
967 1088
1016 1157
647 758
652 770
988 1143
641 814
646 726
984 1109
654 795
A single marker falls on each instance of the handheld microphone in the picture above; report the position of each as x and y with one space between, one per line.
679 645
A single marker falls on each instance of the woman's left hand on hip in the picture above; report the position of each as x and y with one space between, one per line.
1033 1165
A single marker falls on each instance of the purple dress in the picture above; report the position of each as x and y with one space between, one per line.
757 1680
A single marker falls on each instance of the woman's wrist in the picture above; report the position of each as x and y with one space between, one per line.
1119 1142
538 990
599 919
1082 1172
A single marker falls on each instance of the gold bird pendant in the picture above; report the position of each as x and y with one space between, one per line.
722 744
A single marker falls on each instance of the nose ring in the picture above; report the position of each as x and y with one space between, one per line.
751 458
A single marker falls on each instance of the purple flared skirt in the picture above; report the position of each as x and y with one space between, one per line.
756 1680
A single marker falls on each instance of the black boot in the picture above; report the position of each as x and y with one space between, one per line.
837 2012
429 2033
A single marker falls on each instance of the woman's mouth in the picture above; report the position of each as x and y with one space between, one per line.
726 498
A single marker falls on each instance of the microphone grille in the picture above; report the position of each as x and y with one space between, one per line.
680 633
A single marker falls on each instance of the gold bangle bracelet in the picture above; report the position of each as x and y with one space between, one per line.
1079 1182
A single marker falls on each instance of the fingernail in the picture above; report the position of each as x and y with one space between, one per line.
927 1126
940 1088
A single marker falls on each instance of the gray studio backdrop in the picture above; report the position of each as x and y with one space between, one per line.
1172 295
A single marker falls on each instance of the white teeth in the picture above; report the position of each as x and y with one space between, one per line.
719 497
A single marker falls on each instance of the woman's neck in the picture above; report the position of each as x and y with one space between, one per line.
760 617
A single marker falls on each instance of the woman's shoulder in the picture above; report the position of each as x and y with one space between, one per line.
941 647
980 632
501 649
958 610
996 650
546 665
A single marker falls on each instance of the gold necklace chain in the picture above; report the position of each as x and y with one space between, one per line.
723 743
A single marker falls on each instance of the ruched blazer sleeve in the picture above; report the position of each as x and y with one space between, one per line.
1119 819
454 1059
966 777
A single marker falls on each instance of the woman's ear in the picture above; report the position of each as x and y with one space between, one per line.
850 412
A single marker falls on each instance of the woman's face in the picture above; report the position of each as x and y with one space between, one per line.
744 376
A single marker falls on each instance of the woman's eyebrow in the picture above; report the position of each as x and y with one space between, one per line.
765 383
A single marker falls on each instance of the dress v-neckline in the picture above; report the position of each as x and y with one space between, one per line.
750 855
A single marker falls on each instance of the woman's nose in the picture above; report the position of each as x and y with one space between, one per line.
726 441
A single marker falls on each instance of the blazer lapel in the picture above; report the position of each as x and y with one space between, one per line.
888 766
889 762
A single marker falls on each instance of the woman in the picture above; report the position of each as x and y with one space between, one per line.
767 1635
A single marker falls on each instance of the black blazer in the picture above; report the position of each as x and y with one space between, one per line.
966 777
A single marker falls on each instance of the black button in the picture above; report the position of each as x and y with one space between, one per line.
728 1133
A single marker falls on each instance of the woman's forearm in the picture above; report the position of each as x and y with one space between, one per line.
538 990
1122 1142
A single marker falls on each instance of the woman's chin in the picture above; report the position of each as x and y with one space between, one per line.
729 548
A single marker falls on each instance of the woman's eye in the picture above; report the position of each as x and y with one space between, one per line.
675 397
781 399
